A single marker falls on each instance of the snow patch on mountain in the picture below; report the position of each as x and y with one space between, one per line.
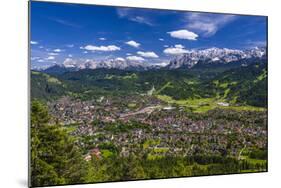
214 55
186 60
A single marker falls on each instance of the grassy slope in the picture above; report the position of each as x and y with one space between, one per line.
205 104
243 88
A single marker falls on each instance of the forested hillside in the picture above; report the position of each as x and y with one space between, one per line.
243 85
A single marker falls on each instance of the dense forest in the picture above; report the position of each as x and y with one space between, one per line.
242 85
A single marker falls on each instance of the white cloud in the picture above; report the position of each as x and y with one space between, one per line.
176 50
161 39
162 64
33 42
119 59
52 54
69 63
102 38
207 24
35 58
148 54
123 12
133 43
50 58
128 54
85 52
179 46
57 50
101 48
135 16
134 58
142 20
183 34
65 22
41 47
70 55
166 46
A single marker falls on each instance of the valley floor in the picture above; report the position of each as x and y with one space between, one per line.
202 135
111 125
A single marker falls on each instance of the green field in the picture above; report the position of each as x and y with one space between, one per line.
205 104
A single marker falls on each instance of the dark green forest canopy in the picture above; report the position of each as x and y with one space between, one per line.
242 85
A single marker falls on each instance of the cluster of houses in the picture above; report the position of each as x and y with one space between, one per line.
176 131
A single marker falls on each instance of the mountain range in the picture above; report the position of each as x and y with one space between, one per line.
244 85
217 56
191 59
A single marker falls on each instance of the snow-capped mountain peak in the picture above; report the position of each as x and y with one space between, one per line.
188 60
215 55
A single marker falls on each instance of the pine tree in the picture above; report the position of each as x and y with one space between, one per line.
55 159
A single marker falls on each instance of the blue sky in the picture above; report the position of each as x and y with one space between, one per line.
61 31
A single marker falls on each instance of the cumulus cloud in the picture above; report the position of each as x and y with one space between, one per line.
207 24
50 58
161 39
134 58
69 63
52 54
148 54
133 43
33 42
176 50
183 34
119 59
35 58
102 38
179 46
57 50
162 64
101 48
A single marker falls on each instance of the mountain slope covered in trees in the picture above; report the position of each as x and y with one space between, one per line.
245 85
